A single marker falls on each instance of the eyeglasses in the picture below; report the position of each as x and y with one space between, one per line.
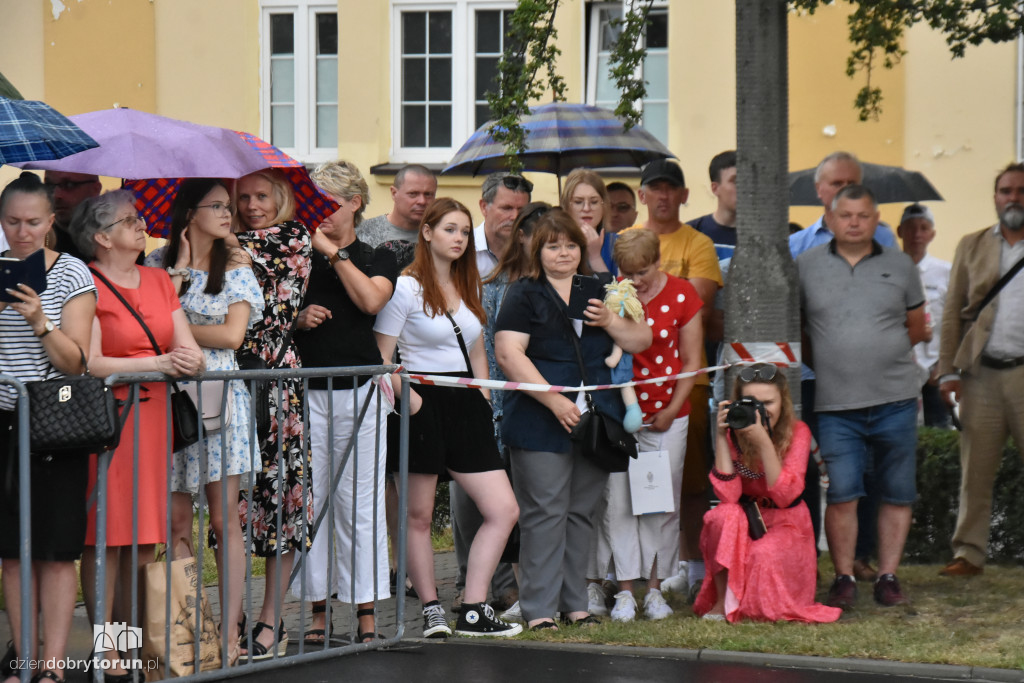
517 183
623 207
218 208
591 203
760 372
131 220
68 185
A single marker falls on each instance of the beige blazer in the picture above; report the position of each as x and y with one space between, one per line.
975 271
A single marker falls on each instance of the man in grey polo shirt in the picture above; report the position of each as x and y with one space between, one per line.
863 308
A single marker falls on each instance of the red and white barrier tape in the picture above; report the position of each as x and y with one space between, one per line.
782 354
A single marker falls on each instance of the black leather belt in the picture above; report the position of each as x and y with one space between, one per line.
1001 364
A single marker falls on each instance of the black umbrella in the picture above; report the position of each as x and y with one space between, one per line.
890 184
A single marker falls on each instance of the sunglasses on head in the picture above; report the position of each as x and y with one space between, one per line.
517 183
761 372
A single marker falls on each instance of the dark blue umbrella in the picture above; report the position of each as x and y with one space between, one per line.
35 131
561 137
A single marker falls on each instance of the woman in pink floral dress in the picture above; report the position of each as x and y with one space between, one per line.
280 249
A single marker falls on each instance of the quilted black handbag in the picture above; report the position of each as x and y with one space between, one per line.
74 414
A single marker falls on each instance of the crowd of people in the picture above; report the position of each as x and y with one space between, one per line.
545 534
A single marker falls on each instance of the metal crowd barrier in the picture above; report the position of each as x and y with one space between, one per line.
370 408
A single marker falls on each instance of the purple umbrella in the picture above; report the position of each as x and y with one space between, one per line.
153 153
136 145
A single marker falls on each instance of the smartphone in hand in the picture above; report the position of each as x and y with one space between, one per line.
30 271
584 288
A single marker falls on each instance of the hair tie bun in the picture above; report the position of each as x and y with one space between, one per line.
29 176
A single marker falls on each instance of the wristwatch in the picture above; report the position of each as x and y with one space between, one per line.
48 327
341 255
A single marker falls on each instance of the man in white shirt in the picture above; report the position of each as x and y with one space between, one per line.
502 197
917 230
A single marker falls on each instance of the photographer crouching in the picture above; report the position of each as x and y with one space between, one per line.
758 543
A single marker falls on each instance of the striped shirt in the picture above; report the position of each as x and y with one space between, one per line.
21 352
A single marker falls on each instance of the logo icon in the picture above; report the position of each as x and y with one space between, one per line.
116 636
64 394
472 616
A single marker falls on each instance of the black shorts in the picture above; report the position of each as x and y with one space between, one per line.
59 484
454 430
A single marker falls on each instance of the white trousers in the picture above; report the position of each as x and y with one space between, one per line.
631 542
360 532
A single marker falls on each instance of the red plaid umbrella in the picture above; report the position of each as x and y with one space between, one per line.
312 206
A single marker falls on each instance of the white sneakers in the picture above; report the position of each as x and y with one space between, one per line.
678 583
655 607
595 600
625 607
513 613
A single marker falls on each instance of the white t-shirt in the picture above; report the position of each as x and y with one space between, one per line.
935 278
427 344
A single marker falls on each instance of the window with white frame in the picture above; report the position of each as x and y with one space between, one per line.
299 62
601 89
445 57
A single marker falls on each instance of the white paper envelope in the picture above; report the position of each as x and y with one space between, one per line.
650 483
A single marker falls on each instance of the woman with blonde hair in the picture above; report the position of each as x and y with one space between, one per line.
436 319
350 282
760 462
280 250
647 545
585 197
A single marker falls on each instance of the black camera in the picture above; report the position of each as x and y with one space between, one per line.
744 412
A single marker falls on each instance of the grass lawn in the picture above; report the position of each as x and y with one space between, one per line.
975 621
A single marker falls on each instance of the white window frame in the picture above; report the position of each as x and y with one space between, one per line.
463 74
592 43
305 57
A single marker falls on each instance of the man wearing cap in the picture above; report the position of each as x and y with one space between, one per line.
502 197
69 190
686 253
981 363
917 230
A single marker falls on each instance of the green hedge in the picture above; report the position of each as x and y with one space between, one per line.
938 491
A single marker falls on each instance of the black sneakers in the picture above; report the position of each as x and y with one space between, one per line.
478 619
434 623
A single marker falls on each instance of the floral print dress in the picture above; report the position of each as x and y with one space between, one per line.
211 309
281 260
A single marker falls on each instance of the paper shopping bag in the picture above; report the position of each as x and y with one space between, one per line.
181 621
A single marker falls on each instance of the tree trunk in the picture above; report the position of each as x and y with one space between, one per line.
762 298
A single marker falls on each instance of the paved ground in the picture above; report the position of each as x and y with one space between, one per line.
425 661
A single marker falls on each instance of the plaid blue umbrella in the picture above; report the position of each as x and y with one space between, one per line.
32 131
561 137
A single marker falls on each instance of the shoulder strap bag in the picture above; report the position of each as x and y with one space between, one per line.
184 416
75 414
462 343
596 436
998 286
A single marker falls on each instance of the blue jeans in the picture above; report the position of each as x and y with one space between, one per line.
882 438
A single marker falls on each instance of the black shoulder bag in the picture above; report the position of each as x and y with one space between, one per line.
184 415
998 286
72 414
596 436
260 388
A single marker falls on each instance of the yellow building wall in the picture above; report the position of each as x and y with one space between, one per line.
822 118
98 54
207 62
959 129
21 56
